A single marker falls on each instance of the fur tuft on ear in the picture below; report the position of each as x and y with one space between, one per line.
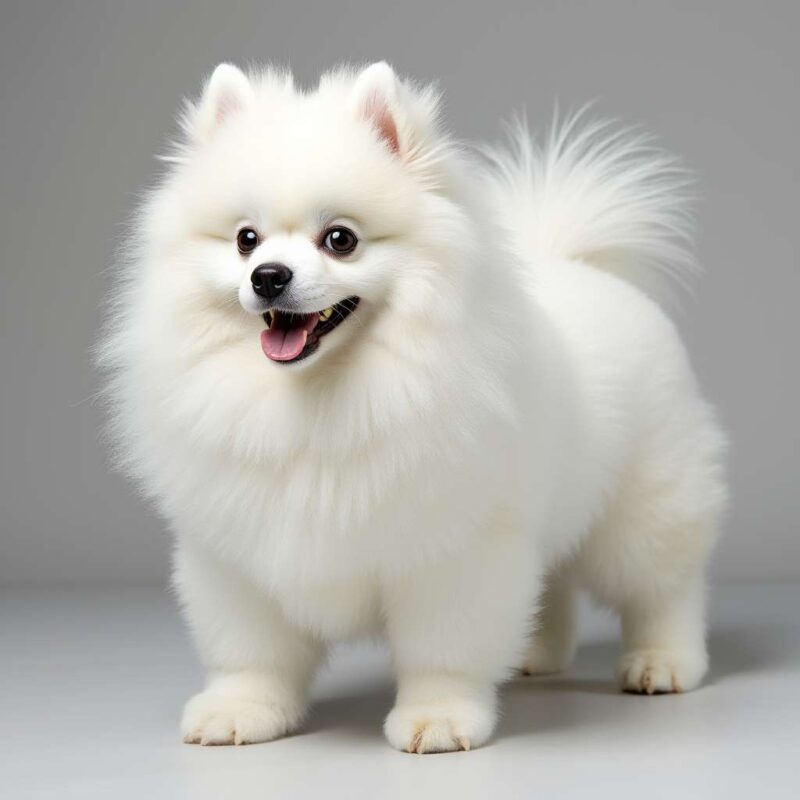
227 92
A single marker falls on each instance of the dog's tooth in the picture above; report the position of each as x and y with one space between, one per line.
326 313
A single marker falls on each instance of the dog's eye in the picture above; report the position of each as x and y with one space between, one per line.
247 240
340 240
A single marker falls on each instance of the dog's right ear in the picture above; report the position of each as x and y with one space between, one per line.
227 93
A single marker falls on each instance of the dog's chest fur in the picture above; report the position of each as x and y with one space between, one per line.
311 522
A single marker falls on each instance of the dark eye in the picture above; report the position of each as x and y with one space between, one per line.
247 240
340 240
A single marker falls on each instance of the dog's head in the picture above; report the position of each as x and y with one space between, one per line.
315 220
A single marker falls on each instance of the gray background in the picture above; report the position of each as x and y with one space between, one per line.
87 96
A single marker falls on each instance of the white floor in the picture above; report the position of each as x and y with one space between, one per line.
92 683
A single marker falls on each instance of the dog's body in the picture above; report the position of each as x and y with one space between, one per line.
499 420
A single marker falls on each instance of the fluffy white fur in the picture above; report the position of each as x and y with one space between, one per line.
502 420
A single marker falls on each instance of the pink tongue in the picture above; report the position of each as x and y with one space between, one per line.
284 344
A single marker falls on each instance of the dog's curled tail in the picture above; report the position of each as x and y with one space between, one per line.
593 192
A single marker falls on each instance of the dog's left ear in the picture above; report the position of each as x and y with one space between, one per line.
404 118
374 98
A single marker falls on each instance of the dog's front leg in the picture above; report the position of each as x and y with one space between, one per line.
456 629
259 664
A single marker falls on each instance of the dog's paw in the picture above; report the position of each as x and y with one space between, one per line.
211 718
439 727
660 671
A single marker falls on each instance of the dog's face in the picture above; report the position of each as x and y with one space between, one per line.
320 216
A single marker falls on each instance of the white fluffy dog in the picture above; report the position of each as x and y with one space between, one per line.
379 385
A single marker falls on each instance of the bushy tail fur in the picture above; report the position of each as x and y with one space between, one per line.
599 194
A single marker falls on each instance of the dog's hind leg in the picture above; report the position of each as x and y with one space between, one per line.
647 560
554 636
663 640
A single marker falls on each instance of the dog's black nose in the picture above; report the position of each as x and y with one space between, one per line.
269 280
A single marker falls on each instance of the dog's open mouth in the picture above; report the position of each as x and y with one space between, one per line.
290 337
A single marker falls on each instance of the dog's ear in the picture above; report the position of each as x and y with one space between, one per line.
374 98
227 92
404 117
